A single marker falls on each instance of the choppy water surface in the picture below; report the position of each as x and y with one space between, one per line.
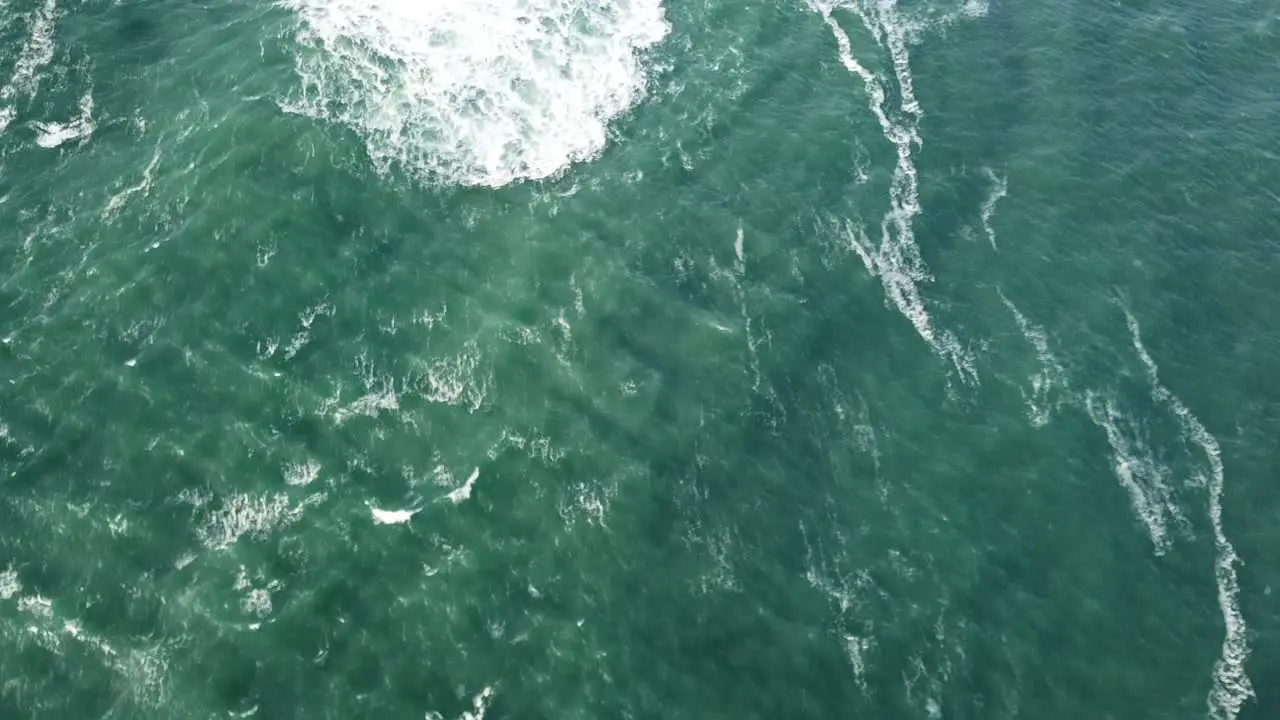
564 359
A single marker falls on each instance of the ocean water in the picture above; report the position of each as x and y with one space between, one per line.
639 359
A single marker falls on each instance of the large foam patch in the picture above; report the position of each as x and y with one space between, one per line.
475 92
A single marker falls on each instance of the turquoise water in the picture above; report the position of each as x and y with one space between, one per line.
566 359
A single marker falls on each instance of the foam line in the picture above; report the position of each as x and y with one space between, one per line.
999 188
896 260
143 186
1231 686
1051 372
740 272
1142 477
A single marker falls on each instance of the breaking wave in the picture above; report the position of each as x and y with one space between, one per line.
475 92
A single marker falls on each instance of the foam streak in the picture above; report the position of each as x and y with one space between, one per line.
1231 686
1051 372
143 186
740 272
999 188
896 260
1138 472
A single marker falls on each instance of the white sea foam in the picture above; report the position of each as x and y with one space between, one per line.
999 188
380 394
739 273
9 584
36 52
143 186
536 445
479 706
146 673
856 648
51 135
855 426
256 601
1231 686
845 592
37 605
391 517
720 547
305 320
564 347
463 492
1140 474
454 380
579 303
302 473
896 258
1051 373
590 502
371 403
429 320
245 514
143 671
475 92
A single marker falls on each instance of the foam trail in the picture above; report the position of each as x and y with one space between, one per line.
1231 686
475 92
740 272
999 188
896 260
143 186
1051 371
1138 472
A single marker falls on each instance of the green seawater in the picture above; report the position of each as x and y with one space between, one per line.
684 359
